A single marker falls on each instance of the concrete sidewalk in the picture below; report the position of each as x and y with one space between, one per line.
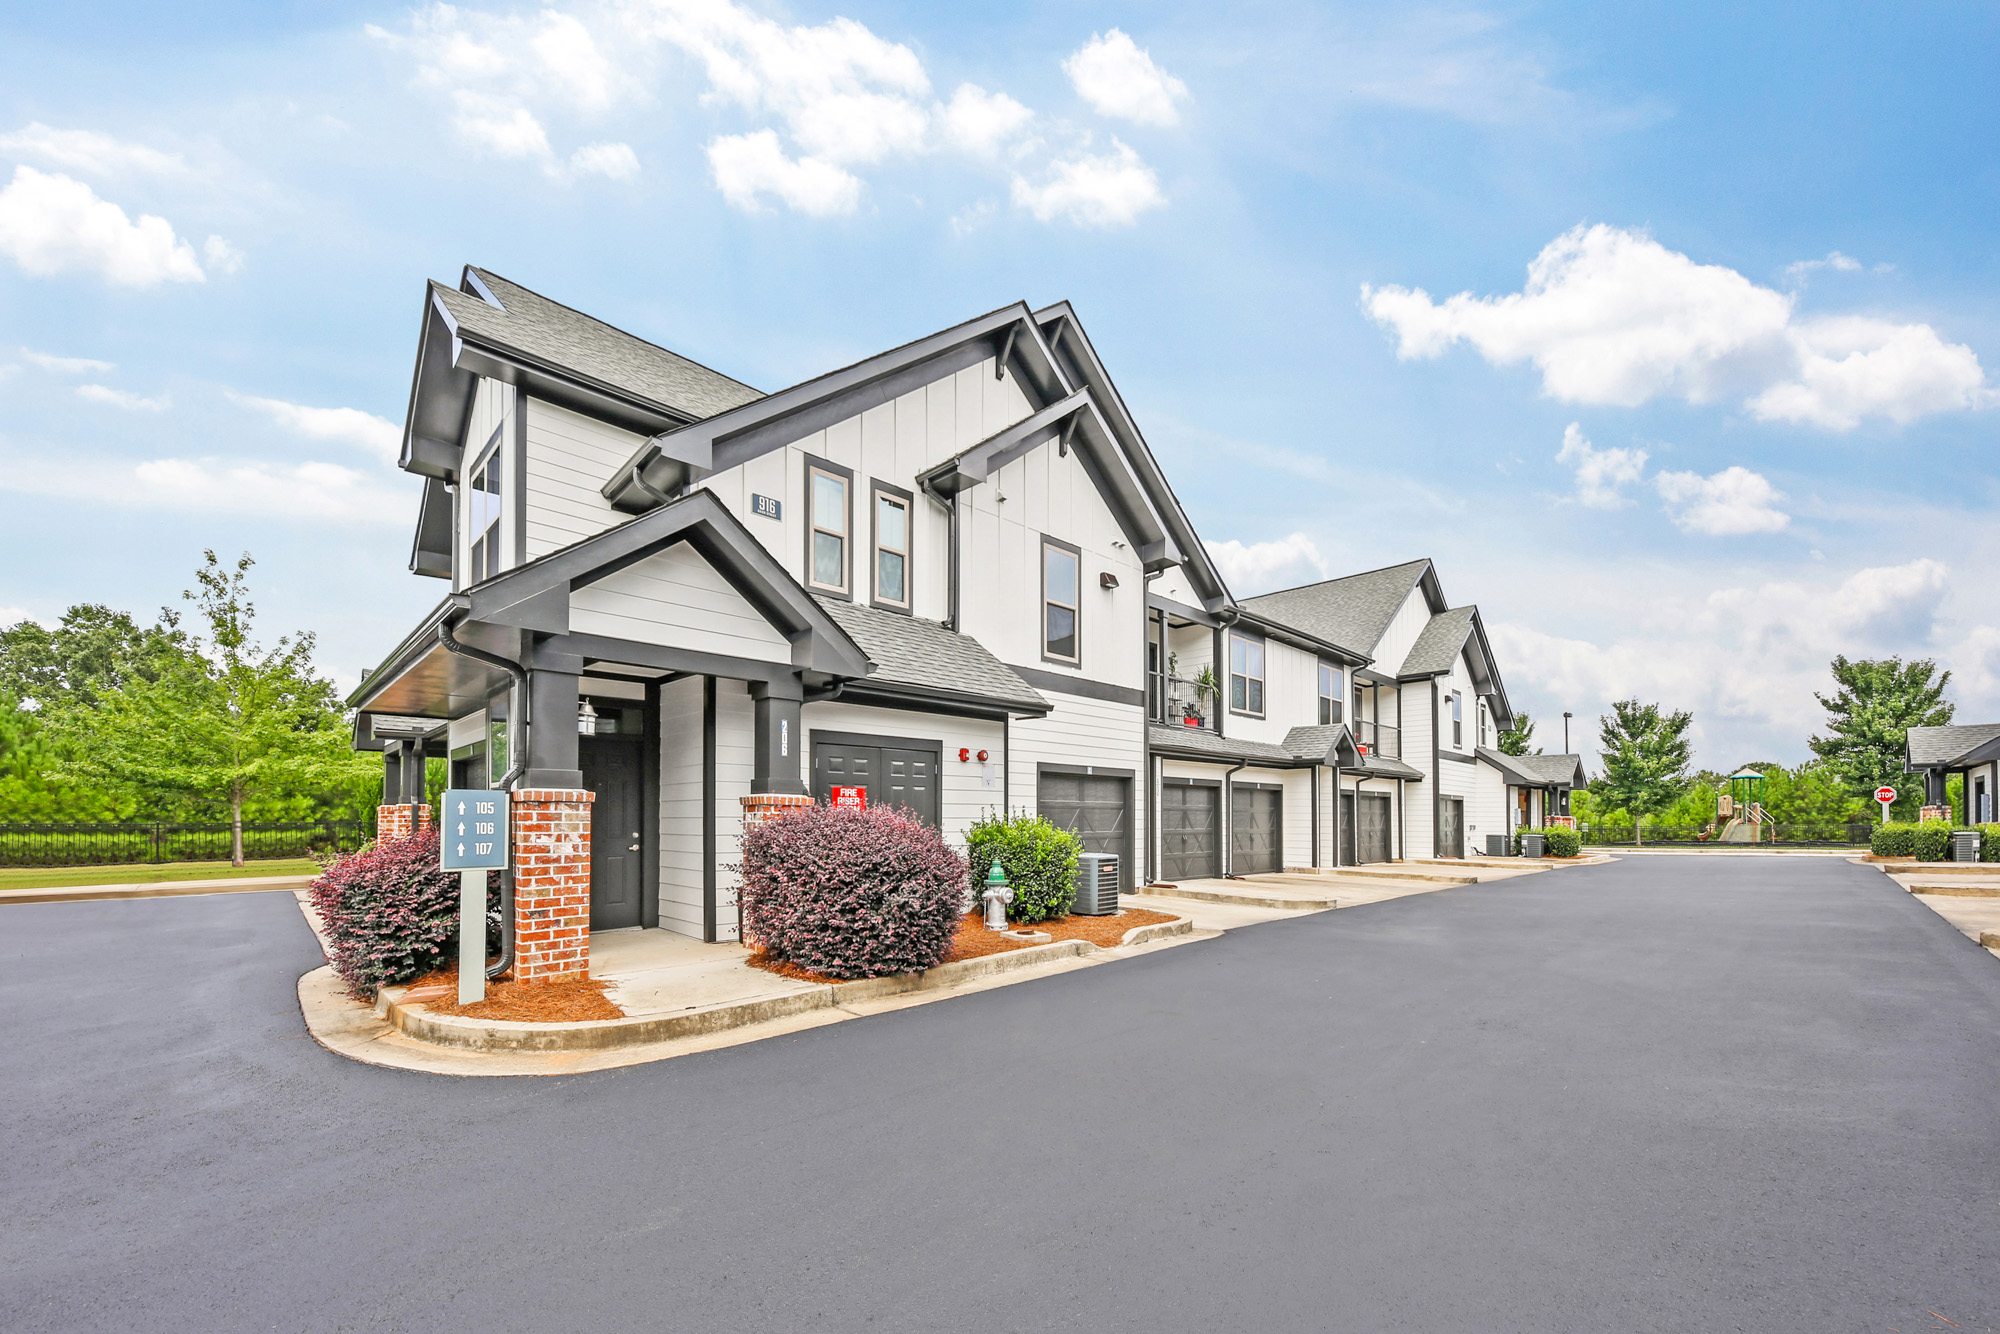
1966 895
155 889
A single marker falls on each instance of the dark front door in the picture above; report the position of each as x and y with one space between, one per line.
1451 827
1256 830
611 769
1096 809
1347 829
1190 832
1371 827
892 775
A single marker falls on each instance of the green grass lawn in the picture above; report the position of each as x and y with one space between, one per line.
55 877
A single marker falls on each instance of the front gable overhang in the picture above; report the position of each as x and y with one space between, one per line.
430 550
675 459
536 596
1083 369
1073 422
1478 653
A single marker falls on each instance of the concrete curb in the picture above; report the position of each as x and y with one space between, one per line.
496 1035
160 889
1246 900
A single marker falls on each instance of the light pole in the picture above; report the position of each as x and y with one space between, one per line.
1565 731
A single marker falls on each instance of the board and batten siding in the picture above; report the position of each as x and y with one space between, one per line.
491 414
1291 695
677 599
680 802
963 793
1401 635
570 457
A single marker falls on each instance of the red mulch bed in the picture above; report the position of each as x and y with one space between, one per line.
974 941
535 1003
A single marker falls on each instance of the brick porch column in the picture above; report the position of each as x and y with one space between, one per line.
763 807
394 821
551 884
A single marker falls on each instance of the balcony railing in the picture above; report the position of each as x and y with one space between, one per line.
1379 739
1183 705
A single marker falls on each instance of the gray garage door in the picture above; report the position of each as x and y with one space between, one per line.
1371 828
1190 832
1256 830
1451 827
891 774
1098 810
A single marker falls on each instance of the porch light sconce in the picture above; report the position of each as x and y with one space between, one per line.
586 719
1107 580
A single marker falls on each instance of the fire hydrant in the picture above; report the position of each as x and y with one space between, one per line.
997 896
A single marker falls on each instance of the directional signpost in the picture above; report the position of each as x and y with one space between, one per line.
472 840
1887 796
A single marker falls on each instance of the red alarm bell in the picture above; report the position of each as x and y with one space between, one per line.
982 757
964 754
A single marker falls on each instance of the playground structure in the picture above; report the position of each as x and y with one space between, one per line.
1739 814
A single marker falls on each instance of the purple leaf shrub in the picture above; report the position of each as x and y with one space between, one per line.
391 914
851 893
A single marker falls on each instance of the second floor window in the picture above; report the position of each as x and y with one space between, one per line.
1060 606
1457 719
892 550
1246 675
1329 694
1482 722
827 517
482 518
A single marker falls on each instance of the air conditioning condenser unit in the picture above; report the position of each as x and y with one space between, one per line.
1096 884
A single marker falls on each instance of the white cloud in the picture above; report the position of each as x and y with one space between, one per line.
1601 474
68 365
380 437
118 398
1725 504
1834 260
616 161
1117 78
568 57
1103 190
289 493
12 616
220 256
89 152
1611 316
750 166
1260 567
499 128
982 123
50 224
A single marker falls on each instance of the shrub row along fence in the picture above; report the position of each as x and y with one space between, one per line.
161 841
1836 835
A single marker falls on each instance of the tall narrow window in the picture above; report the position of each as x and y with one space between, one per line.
1060 564
827 515
1329 694
482 516
892 550
1246 674
1482 722
1357 707
1457 719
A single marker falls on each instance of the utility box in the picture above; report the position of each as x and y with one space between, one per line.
1965 845
1096 884
1496 845
1531 844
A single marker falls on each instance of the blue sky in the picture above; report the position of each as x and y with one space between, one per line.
1668 335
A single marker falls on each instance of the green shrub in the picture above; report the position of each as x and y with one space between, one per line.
1561 841
1989 842
1038 858
1897 838
1934 840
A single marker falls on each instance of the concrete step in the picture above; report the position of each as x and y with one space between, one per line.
1252 895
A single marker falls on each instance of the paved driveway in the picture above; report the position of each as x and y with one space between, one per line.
1665 1094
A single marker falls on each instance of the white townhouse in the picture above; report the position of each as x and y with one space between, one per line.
951 576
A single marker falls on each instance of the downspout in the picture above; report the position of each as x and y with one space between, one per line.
1228 814
447 636
949 504
1144 799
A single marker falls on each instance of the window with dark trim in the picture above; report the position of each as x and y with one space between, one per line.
1457 719
829 524
892 547
1246 675
1329 694
482 516
1482 722
1062 609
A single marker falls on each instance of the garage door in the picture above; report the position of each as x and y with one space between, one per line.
1098 810
1371 828
891 774
1451 827
1256 830
1190 832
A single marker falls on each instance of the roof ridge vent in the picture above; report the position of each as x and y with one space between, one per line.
481 290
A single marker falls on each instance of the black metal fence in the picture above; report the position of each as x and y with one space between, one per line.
159 841
1834 835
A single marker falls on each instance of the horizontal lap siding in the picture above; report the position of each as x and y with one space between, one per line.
570 457
676 598
1079 731
962 796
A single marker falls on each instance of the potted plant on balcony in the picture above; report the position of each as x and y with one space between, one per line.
1205 688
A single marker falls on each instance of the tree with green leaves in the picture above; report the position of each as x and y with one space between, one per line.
92 650
1646 755
223 724
1878 701
1515 740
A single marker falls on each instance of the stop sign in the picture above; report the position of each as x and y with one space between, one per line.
1885 795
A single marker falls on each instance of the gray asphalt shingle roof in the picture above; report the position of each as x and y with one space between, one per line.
1535 770
1946 745
551 332
1439 643
1351 611
923 655
1312 743
1201 741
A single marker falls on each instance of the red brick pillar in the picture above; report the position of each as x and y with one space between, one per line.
762 807
394 821
551 884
